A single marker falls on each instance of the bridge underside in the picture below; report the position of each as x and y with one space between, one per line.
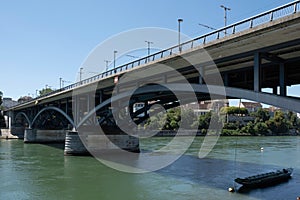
240 65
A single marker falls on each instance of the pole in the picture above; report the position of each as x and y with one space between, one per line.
115 52
179 44
149 43
80 73
60 83
225 16
106 62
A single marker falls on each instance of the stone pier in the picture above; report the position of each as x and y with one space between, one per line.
44 136
96 143
74 145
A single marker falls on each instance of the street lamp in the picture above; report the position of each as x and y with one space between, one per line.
115 53
80 73
149 43
225 16
60 83
179 44
106 64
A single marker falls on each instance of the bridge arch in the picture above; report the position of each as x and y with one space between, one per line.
56 109
288 103
26 117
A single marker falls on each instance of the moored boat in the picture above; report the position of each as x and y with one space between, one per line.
266 179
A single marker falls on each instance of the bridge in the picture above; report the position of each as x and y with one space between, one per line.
238 61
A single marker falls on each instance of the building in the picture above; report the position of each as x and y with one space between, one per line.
8 102
250 106
203 107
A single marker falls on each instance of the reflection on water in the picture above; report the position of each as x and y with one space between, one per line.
34 171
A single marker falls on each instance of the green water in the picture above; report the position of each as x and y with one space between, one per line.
36 171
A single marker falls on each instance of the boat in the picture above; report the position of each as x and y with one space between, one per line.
266 179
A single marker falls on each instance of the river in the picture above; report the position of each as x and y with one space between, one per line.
37 171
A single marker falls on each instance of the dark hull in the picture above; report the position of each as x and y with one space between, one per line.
267 179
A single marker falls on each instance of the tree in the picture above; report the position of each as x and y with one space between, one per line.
278 124
261 128
232 110
24 99
262 115
249 128
45 91
292 119
187 118
2 120
1 94
173 118
203 121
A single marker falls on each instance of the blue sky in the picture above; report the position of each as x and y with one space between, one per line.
42 41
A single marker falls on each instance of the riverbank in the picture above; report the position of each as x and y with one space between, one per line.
173 133
6 134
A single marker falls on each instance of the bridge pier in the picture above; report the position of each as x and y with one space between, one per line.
282 82
44 136
97 143
74 145
257 72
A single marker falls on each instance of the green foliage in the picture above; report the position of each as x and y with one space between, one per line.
292 119
262 115
278 124
234 110
188 118
45 91
172 120
262 125
203 122
249 128
228 132
231 126
2 121
261 128
1 95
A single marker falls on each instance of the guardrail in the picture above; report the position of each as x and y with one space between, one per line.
282 11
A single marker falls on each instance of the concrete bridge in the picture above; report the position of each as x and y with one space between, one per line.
257 53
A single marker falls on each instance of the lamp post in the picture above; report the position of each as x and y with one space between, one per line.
148 43
80 73
115 53
179 44
225 16
60 83
106 64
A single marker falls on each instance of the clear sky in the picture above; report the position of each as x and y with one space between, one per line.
44 40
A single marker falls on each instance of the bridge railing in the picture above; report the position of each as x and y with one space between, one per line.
269 16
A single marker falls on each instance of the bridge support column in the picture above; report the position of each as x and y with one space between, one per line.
74 145
29 135
44 136
275 90
225 79
10 117
282 80
257 72
201 75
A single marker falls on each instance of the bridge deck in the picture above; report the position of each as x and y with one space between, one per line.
278 41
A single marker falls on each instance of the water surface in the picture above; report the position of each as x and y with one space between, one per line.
36 171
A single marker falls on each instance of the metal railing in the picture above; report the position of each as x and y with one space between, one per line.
269 16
